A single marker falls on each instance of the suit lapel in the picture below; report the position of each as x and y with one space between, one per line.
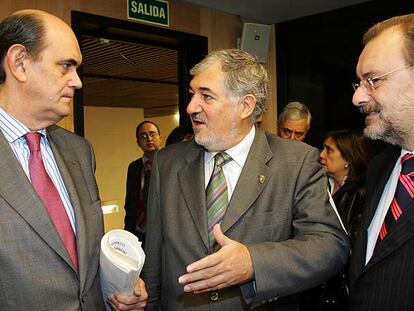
70 171
252 180
380 175
18 192
397 236
191 180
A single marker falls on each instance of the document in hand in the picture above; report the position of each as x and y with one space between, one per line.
121 262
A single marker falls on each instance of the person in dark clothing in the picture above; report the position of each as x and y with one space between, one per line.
344 158
139 172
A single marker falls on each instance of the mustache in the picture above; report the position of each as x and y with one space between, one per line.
197 117
366 109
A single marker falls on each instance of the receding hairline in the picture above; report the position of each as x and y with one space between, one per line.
45 18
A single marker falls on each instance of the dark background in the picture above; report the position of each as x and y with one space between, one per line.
316 59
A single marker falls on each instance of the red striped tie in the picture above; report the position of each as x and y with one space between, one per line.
49 195
403 196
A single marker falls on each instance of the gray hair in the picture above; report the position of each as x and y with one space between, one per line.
243 75
295 111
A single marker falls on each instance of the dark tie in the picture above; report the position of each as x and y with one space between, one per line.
404 194
216 195
141 204
49 195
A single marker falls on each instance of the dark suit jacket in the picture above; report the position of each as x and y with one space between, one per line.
284 218
132 194
387 281
36 272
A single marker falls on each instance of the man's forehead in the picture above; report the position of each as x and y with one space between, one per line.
147 127
297 125
385 49
207 77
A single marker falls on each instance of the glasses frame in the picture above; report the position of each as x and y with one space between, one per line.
369 84
148 135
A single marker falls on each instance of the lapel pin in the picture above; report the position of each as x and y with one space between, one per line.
262 179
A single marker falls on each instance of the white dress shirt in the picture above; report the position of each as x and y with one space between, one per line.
14 132
231 169
383 206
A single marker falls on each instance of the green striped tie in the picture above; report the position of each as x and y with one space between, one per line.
216 195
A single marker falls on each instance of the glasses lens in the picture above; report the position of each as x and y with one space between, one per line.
355 86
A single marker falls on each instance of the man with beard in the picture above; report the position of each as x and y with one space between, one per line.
238 218
138 178
382 274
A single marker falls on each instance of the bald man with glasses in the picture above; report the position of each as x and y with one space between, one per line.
382 274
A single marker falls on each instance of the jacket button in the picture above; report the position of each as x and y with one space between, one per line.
214 296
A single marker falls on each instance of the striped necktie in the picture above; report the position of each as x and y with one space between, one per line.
216 195
403 196
50 197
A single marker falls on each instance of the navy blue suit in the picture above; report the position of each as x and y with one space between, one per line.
387 281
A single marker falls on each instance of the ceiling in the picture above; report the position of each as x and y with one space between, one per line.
273 11
124 74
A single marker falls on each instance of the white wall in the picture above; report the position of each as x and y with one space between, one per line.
112 134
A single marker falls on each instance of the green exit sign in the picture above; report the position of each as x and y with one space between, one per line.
151 11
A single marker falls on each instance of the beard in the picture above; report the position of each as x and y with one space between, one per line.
213 140
382 128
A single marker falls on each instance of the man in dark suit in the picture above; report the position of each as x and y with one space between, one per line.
50 214
238 218
139 172
382 274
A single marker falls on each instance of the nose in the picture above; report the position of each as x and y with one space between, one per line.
360 97
193 105
322 154
292 135
75 82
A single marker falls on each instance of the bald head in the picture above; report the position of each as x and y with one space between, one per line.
28 28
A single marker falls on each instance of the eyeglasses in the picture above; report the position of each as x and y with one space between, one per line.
370 84
147 135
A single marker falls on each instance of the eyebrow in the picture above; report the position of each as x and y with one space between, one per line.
72 61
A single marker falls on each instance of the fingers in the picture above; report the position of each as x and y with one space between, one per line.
204 263
130 302
221 239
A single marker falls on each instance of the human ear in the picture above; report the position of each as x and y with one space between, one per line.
248 104
15 61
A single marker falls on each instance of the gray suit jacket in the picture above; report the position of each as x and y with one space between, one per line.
36 272
290 229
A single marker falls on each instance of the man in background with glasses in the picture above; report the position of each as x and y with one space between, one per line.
294 121
382 273
139 172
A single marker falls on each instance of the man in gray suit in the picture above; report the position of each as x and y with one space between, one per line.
278 235
50 227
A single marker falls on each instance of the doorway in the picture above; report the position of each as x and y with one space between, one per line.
130 72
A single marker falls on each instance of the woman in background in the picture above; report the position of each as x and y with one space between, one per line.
344 158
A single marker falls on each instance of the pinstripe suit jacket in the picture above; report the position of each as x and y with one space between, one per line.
36 272
387 281
283 217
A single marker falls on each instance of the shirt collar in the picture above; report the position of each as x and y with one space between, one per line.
12 128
